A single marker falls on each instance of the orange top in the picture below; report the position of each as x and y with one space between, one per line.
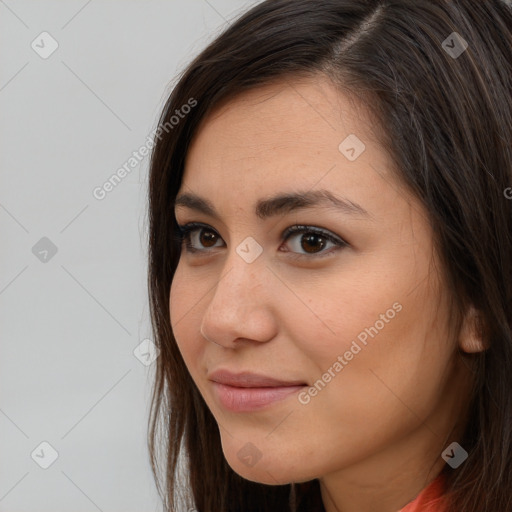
429 499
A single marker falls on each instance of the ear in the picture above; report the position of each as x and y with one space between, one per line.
471 335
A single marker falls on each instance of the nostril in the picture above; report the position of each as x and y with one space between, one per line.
204 335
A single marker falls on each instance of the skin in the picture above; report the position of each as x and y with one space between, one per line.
374 434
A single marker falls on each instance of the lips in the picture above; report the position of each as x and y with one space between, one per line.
249 391
250 380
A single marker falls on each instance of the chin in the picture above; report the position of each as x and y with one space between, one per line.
277 469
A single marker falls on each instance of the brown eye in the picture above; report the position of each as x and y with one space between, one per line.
206 237
306 241
312 243
197 237
200 238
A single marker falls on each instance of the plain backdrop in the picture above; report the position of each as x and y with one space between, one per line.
82 83
73 296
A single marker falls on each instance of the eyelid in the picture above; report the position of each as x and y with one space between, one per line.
301 228
185 230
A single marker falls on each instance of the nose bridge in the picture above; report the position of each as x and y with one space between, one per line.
238 296
239 280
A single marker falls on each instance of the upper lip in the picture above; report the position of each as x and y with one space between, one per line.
250 380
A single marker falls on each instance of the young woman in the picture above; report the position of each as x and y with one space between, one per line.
330 267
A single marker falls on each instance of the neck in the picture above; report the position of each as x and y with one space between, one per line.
388 480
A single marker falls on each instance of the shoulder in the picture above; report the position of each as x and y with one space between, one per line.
429 499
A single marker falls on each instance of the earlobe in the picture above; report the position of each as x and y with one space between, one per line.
471 335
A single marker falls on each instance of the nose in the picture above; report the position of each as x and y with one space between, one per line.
240 309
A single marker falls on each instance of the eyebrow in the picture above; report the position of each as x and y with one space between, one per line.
280 204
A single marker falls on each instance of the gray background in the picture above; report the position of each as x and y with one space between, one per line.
70 321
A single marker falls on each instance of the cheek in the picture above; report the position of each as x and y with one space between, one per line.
184 321
388 338
343 318
177 303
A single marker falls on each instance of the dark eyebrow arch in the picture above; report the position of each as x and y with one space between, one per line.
280 204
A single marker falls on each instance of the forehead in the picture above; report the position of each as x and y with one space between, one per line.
289 120
282 137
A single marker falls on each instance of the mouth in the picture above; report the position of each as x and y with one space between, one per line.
246 391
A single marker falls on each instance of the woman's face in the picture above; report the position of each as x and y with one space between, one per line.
345 330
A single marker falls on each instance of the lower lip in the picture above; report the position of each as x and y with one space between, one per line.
251 399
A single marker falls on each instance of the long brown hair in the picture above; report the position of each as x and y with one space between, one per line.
445 110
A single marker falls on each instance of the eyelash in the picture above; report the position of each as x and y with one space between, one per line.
185 230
